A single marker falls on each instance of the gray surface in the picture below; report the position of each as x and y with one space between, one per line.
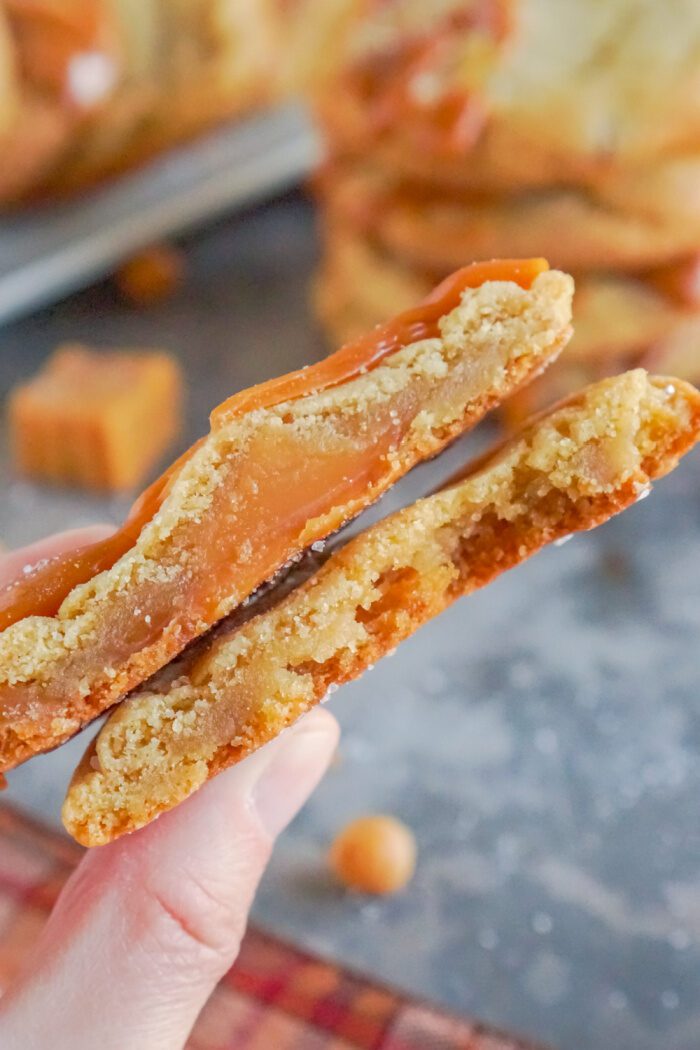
541 737
47 252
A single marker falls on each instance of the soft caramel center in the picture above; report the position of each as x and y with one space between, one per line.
315 478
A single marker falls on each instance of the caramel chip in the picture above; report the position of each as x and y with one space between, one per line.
96 419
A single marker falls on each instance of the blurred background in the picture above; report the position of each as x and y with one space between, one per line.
233 188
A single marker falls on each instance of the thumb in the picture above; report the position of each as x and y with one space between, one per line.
148 925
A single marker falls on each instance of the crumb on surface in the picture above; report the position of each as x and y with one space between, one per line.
152 275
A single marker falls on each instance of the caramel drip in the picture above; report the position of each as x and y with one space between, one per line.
405 88
41 591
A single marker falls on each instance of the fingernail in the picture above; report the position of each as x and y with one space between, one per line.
297 763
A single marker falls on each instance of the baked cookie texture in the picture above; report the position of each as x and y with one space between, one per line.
315 33
9 100
604 85
577 230
102 85
259 490
465 130
569 470
37 43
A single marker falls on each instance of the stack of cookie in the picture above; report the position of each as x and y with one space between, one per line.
472 129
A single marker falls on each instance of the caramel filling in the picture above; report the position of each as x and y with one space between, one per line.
421 87
51 36
42 589
281 481
368 352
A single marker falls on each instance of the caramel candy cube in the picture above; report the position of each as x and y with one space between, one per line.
97 419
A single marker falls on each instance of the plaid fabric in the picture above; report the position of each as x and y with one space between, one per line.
275 996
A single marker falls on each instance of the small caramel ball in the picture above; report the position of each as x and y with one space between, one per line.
375 854
152 275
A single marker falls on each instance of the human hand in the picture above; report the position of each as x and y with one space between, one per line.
147 926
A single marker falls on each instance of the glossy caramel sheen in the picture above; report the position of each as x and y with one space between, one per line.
318 478
368 352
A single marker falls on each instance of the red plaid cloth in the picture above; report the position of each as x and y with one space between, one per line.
275 995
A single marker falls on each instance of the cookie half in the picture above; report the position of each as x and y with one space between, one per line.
236 689
284 465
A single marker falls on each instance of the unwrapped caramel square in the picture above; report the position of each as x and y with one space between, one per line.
97 419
